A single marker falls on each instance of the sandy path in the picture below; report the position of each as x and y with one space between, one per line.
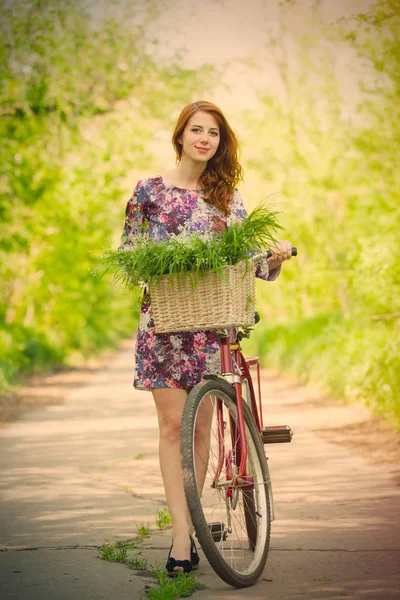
77 472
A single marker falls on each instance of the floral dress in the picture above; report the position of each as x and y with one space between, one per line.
176 360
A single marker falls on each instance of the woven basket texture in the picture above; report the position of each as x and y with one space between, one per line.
214 303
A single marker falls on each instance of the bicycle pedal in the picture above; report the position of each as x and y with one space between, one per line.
218 531
278 434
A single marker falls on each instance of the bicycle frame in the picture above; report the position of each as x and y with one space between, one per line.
227 373
230 353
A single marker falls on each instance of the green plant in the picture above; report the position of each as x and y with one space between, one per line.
138 562
334 317
143 530
113 553
181 586
129 545
163 518
118 552
67 81
147 259
169 588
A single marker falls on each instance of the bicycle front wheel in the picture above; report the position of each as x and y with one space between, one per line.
232 517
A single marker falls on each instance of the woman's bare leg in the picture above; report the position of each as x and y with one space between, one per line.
202 441
169 403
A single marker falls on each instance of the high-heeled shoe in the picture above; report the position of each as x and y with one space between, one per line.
186 565
194 557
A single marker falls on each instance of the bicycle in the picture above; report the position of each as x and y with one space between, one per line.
225 470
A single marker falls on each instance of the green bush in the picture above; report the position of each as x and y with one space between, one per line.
75 119
337 306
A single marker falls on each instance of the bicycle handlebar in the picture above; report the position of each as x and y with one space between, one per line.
268 254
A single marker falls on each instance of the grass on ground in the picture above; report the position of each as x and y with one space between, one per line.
130 554
163 519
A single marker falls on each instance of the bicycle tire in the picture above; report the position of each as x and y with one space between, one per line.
248 495
235 564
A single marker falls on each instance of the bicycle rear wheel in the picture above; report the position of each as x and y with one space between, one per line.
232 519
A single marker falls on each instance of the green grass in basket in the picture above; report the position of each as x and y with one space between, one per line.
147 260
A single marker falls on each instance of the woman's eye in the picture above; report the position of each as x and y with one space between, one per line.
196 130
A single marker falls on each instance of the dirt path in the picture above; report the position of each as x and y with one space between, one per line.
85 468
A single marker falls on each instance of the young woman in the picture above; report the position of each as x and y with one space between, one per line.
198 196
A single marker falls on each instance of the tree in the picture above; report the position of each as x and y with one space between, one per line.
80 100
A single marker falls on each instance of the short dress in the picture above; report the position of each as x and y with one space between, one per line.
163 212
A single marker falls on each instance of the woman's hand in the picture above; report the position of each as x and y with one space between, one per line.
280 251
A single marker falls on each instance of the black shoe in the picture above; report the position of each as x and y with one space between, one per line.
172 563
194 557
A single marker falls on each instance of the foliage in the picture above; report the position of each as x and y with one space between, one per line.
75 118
80 102
143 530
181 586
337 309
113 552
147 260
138 562
163 518
119 552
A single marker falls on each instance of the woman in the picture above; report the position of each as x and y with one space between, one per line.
198 196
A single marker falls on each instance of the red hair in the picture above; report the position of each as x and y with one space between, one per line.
223 171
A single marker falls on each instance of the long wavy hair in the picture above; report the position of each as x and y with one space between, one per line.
223 171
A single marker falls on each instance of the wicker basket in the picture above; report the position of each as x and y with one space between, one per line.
214 303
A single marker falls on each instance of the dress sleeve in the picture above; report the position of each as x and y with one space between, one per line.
238 213
135 221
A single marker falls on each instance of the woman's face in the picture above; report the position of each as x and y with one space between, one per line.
200 138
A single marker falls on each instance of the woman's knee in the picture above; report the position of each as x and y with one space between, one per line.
169 404
170 428
204 417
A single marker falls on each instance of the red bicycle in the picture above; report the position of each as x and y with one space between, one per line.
225 470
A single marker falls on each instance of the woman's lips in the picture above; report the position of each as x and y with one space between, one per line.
201 149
